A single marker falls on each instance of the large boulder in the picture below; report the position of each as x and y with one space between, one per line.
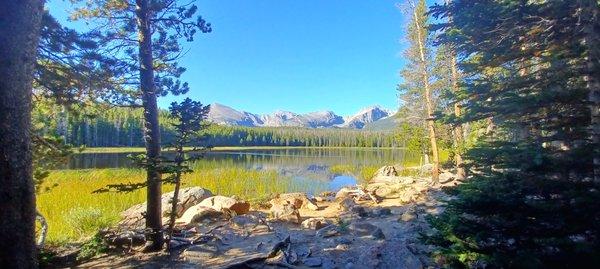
199 213
284 210
389 175
388 171
219 203
299 200
188 197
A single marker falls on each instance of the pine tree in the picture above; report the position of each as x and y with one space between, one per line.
146 34
19 36
417 76
531 201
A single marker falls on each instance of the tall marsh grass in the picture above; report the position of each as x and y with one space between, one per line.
74 212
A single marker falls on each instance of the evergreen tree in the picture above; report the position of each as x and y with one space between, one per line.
417 74
531 200
19 37
145 35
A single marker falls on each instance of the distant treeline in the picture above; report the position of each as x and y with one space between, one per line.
123 127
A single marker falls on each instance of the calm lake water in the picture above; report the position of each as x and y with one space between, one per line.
298 163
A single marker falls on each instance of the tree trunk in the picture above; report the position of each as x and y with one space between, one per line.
178 162
458 129
591 30
19 34
151 128
428 101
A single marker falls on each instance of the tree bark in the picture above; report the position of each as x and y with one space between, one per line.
19 34
151 128
458 128
178 162
428 101
591 40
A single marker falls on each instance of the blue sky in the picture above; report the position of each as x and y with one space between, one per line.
300 56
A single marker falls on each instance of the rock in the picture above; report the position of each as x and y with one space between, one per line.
342 247
408 196
359 211
343 240
328 231
199 213
125 239
344 193
408 216
314 223
247 222
427 167
446 177
188 197
221 202
284 210
362 228
386 174
312 262
299 199
328 264
392 180
386 171
346 204
381 212
200 253
378 234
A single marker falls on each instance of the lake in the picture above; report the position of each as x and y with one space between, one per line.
336 166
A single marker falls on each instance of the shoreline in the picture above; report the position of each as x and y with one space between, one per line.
240 148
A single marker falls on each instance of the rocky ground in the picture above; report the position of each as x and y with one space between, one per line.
372 226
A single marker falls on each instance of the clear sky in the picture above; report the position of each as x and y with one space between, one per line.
300 56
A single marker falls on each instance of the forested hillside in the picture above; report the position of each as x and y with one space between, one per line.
116 127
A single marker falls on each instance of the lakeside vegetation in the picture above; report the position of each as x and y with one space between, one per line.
74 212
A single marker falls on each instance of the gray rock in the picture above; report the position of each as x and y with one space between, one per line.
312 262
283 210
346 204
315 223
200 252
188 197
381 212
344 192
362 228
378 234
328 231
245 221
360 211
386 171
408 216
328 264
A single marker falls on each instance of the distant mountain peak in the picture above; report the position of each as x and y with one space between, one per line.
225 115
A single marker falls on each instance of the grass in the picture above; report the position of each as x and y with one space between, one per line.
73 212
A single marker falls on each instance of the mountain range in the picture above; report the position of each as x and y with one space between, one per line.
224 115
